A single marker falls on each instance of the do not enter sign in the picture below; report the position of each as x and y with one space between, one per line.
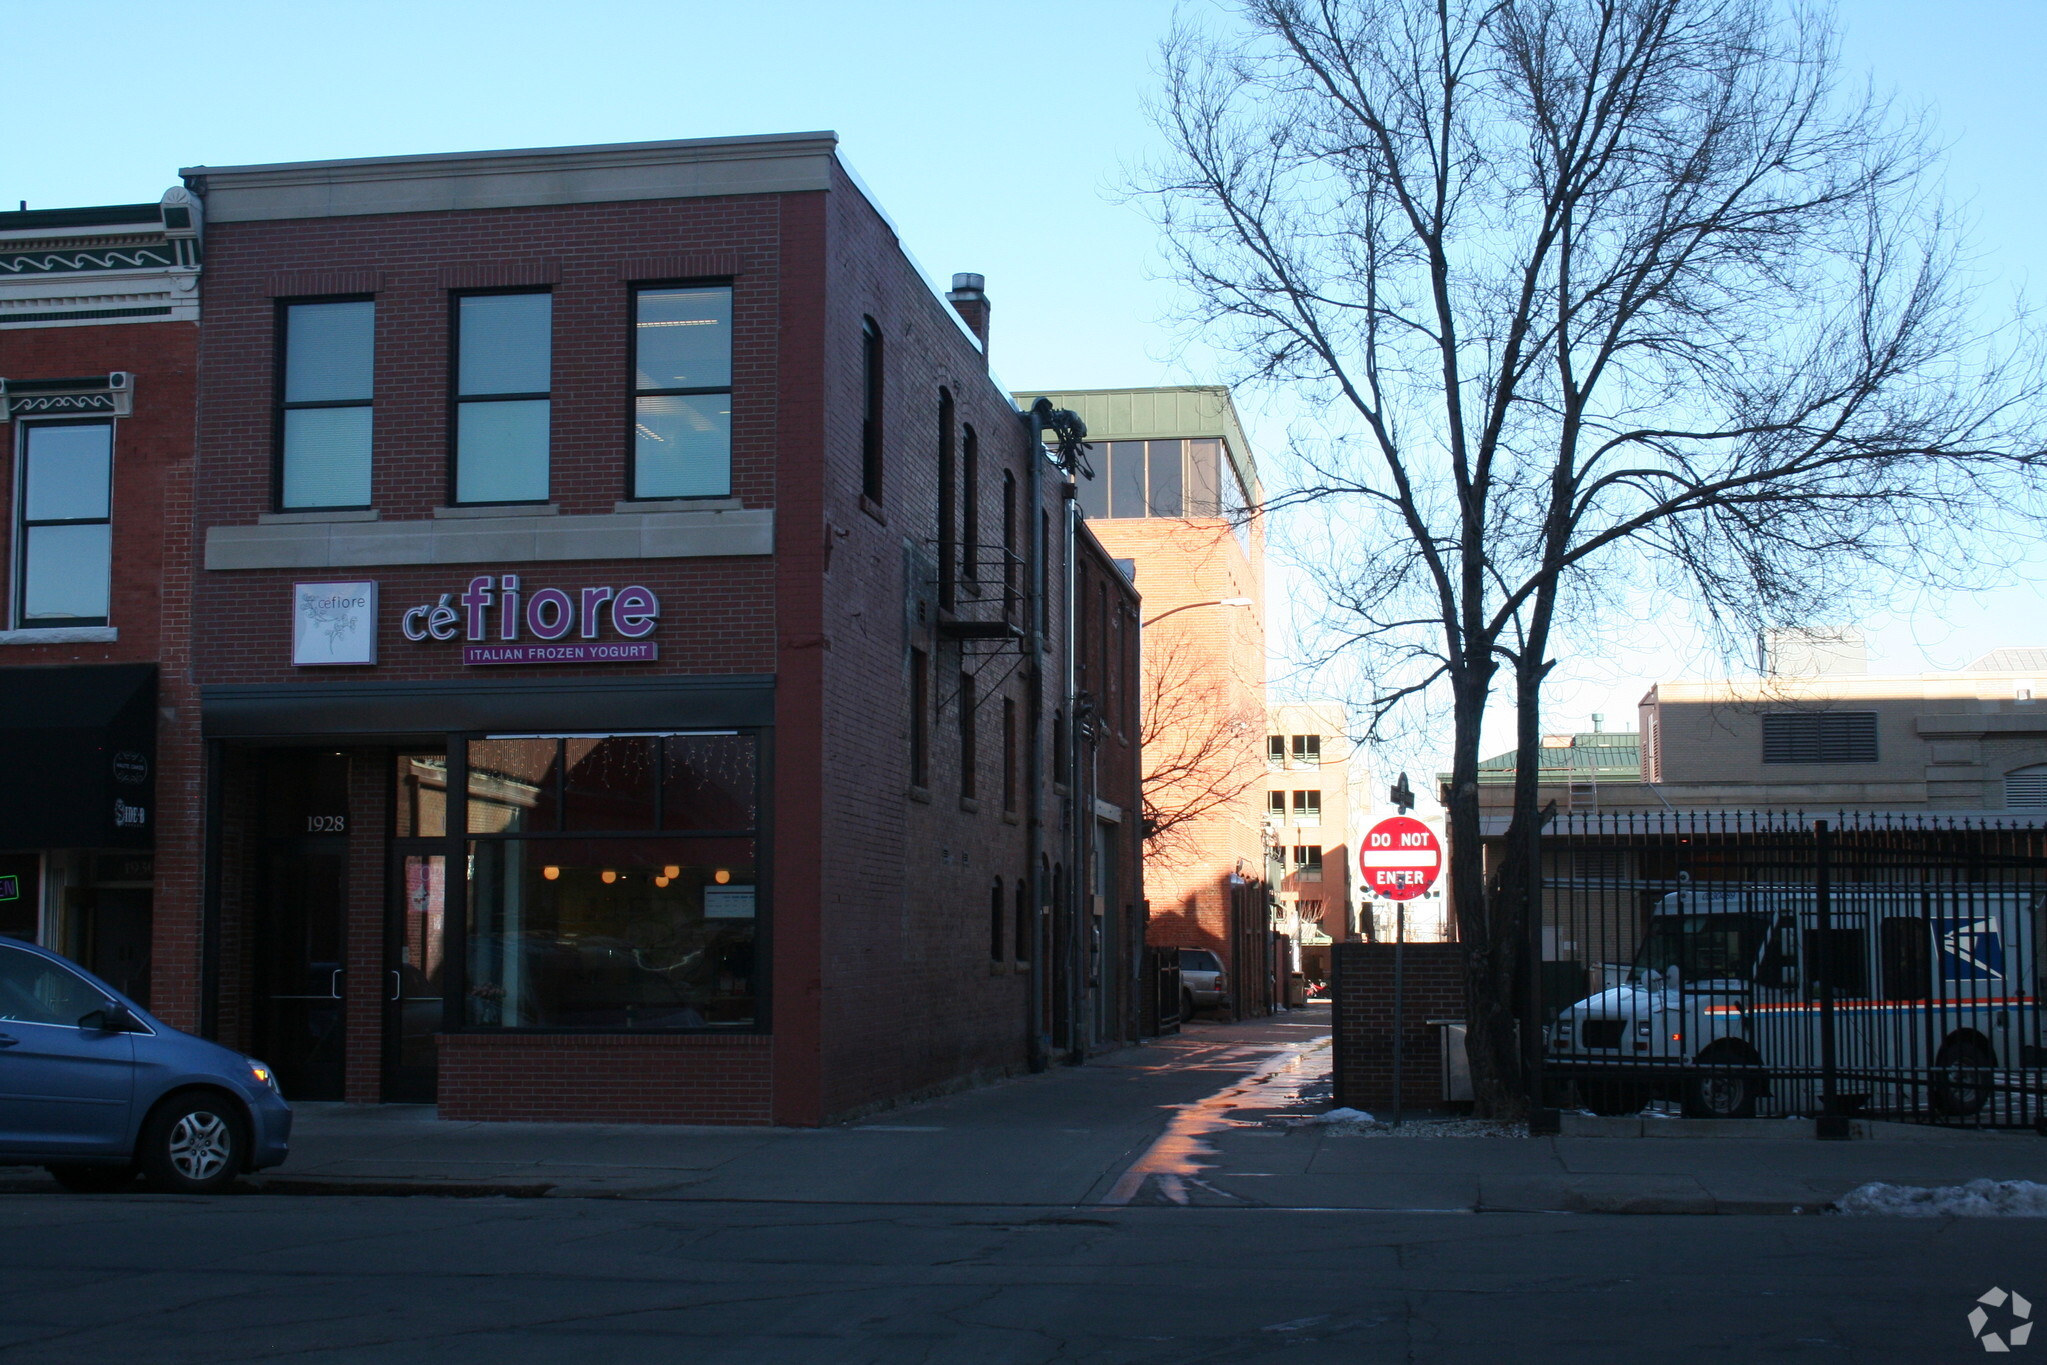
1401 858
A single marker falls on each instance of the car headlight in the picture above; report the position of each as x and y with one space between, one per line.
261 1073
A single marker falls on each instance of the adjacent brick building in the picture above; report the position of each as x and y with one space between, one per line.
633 648
99 315
1171 496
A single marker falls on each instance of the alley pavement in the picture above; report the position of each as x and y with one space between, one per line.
1220 1115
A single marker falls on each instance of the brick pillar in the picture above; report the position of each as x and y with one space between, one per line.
367 810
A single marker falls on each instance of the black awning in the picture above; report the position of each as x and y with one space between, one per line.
78 757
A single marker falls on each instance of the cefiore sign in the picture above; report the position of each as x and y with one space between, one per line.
498 621
544 626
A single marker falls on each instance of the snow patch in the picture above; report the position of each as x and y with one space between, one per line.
1977 1199
1342 1116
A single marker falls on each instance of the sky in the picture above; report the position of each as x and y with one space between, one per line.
994 133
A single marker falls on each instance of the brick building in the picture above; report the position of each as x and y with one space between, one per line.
1315 806
1172 485
633 642
99 315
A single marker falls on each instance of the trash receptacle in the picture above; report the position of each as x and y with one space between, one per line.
1296 990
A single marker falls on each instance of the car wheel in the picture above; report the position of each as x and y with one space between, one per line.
1730 1091
194 1145
93 1179
1962 1076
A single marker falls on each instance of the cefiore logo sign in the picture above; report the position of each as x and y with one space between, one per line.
547 625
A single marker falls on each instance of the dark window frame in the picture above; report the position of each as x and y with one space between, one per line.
18 605
456 398
633 391
970 738
458 837
948 492
970 508
279 360
1010 766
998 938
920 719
873 354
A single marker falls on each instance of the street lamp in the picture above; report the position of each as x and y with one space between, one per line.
1222 602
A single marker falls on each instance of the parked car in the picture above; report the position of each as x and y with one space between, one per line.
97 1090
1202 984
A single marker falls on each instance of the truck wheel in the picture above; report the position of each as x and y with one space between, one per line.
1962 1076
194 1145
93 1179
1728 1092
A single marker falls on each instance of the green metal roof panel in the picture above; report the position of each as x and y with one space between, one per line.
1185 411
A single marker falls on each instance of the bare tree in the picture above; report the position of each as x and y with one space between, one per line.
1200 746
1590 299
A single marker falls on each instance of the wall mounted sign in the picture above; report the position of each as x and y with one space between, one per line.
543 626
131 768
334 623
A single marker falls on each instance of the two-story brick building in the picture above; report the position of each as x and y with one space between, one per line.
99 315
633 648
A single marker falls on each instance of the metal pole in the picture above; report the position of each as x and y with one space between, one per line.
1399 1000
1541 1118
1833 1124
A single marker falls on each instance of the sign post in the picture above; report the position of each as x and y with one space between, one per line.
1400 860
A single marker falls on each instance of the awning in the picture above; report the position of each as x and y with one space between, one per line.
78 757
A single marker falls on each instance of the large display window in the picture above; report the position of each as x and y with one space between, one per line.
612 882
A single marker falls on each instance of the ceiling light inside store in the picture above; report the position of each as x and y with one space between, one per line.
721 876
609 876
550 872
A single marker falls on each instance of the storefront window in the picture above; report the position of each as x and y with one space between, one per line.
611 933
588 906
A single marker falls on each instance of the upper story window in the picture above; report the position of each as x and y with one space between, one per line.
1275 750
323 419
1308 862
1275 807
1307 750
64 562
504 366
1307 807
682 391
1160 479
1820 737
870 409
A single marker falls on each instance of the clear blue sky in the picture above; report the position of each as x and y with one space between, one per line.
989 131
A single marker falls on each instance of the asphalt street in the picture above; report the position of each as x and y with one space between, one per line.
1165 1204
363 1279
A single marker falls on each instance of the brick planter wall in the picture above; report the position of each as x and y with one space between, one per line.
1361 986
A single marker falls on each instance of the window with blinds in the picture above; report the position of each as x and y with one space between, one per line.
1819 737
2027 787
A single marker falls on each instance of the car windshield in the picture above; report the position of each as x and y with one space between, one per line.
1198 960
1700 947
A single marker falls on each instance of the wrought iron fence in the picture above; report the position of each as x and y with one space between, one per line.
1743 964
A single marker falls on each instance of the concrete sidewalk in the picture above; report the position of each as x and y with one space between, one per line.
1213 1117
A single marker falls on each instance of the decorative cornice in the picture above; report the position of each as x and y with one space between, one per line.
106 395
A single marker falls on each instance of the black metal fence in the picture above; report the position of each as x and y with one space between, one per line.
1740 964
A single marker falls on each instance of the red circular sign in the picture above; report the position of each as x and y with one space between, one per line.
1400 858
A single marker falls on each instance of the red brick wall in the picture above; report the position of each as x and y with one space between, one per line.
607 1078
1364 1025
151 593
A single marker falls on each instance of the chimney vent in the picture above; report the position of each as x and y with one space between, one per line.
971 304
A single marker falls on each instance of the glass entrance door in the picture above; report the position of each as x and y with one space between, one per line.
413 962
299 1009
